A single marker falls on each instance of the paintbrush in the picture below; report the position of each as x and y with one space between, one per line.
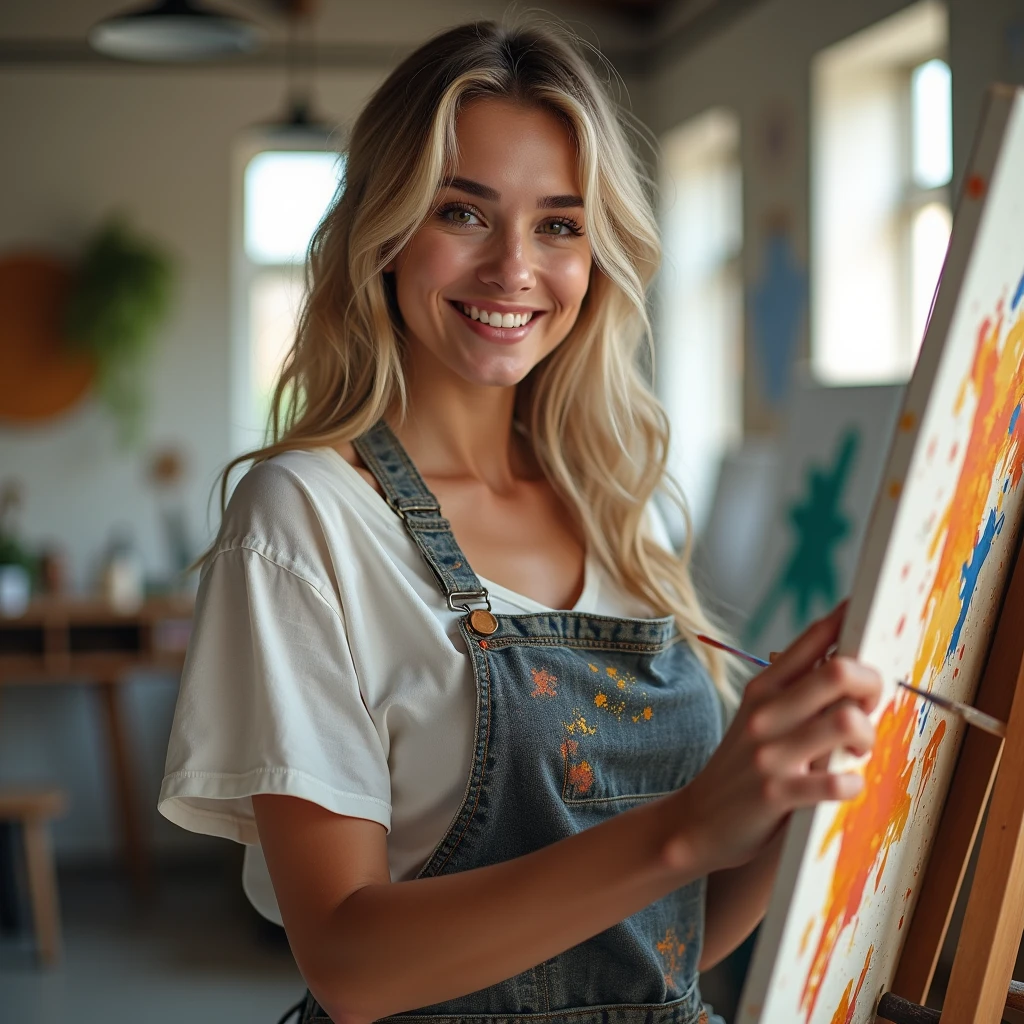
972 716
752 658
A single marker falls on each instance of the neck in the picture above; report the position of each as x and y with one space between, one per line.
454 429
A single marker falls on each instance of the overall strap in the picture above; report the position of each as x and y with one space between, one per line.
419 510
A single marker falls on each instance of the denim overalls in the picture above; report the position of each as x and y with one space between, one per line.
578 717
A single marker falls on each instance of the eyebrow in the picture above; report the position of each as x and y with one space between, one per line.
475 188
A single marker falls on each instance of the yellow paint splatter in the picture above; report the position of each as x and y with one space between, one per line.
543 683
612 671
592 666
601 700
579 725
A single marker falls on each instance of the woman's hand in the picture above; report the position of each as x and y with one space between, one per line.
773 757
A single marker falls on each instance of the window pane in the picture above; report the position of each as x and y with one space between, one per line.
286 196
932 120
928 241
275 300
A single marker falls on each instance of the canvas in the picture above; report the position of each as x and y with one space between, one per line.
941 542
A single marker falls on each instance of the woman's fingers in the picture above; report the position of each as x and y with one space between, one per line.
839 679
807 790
843 726
802 655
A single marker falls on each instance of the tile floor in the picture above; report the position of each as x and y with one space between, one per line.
198 953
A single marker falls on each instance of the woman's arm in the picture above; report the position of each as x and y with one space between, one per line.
736 900
368 948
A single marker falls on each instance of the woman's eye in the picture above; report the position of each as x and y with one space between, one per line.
559 228
459 215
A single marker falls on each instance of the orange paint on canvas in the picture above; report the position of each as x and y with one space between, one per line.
806 937
848 1003
866 827
998 388
931 752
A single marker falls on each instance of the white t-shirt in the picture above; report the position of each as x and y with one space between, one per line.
325 664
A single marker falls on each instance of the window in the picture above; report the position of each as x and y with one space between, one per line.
881 163
698 319
285 194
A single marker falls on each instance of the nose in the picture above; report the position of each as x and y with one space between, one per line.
508 265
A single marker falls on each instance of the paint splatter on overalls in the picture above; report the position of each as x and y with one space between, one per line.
578 717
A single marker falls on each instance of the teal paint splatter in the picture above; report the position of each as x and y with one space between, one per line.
820 527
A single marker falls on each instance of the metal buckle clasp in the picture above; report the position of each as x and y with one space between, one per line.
458 596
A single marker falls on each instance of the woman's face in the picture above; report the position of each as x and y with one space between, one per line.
493 280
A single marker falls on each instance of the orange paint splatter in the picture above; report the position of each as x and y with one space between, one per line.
484 644
672 952
931 752
895 489
543 683
580 777
976 186
612 671
806 937
848 1003
866 828
900 925
592 666
644 716
908 421
569 748
601 700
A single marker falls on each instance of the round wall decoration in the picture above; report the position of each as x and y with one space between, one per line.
40 374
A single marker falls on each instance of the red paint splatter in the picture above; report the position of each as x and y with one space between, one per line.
907 895
900 925
976 186
932 445
905 571
960 653
900 624
953 451
580 777
956 672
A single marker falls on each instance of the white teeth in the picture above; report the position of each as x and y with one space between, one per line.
495 319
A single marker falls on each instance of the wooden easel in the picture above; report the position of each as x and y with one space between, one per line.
979 985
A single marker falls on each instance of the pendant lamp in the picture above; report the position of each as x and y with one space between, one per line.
173 30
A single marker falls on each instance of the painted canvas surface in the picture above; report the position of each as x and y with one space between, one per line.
936 559
832 457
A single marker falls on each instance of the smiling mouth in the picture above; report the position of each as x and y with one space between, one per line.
493 318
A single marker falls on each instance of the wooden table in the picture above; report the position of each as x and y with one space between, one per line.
89 642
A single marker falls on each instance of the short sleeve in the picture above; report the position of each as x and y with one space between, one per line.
269 703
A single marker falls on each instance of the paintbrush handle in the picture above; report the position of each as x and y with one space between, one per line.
978 718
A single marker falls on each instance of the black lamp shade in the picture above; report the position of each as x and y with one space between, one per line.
173 30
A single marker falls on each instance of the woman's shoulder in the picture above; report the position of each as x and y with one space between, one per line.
297 501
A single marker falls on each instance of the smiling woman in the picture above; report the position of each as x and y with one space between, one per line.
473 755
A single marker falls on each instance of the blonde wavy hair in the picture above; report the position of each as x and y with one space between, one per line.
598 432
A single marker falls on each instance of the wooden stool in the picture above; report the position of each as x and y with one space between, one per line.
32 810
